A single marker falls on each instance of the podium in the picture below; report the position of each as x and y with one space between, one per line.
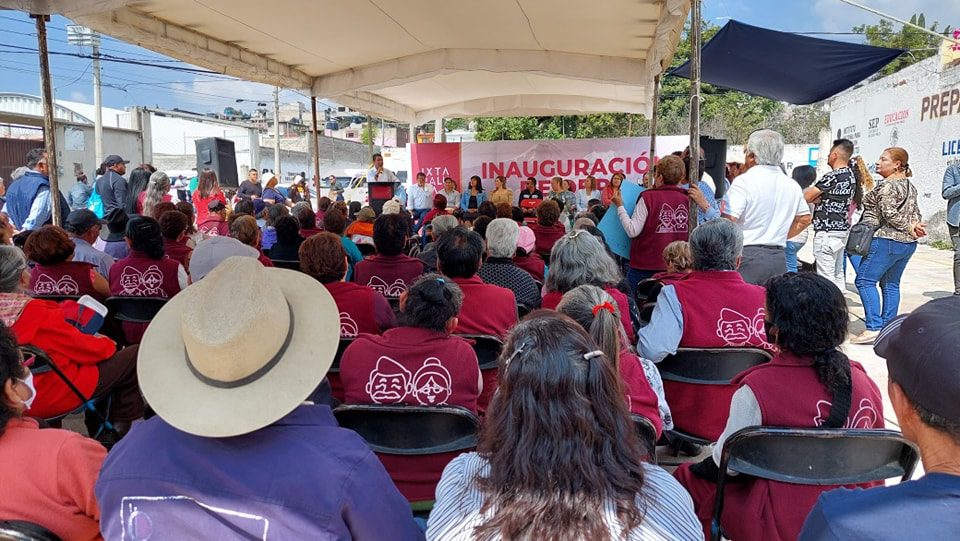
379 193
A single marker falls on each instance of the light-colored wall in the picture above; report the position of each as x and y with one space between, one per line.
895 111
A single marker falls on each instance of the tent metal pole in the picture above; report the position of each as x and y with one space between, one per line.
648 182
901 21
49 127
316 147
694 173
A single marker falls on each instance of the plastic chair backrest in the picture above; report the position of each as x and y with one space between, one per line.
820 456
41 361
487 347
706 366
286 264
814 456
646 313
335 367
647 291
411 430
646 430
366 249
522 310
135 309
20 530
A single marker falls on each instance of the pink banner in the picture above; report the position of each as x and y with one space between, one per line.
437 161
572 159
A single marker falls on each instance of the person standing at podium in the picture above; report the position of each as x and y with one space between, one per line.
378 173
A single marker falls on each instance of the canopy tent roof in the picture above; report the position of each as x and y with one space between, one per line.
784 66
413 60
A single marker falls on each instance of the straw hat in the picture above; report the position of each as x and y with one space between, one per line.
238 350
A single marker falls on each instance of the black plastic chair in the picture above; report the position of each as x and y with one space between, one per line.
522 310
706 366
335 367
814 456
394 305
286 264
20 530
135 309
646 313
487 347
411 430
647 433
42 363
366 249
647 291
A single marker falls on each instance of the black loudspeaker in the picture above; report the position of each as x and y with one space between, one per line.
715 157
219 155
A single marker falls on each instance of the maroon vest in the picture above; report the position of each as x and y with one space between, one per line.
178 251
139 275
414 366
789 394
355 304
667 211
68 278
533 264
388 275
214 227
719 310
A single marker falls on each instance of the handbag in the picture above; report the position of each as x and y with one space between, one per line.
861 234
95 203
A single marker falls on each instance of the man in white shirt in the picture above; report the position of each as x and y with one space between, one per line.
420 200
378 173
769 207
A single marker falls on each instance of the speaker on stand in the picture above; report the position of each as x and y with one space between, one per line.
219 155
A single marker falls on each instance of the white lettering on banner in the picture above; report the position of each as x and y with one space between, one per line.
568 158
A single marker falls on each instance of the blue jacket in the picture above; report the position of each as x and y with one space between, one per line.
302 477
465 199
951 192
21 194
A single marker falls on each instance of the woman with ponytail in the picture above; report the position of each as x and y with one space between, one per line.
558 457
147 271
809 384
596 311
418 363
892 209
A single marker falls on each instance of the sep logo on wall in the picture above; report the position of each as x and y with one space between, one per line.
873 127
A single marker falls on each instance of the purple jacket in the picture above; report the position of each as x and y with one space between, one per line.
299 478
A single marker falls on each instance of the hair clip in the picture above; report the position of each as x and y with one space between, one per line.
520 349
592 354
441 280
604 306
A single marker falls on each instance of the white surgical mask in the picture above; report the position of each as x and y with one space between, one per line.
33 390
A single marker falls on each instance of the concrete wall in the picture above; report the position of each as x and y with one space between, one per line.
917 108
76 150
336 155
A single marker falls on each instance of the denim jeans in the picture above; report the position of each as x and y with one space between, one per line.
635 276
955 238
885 264
791 253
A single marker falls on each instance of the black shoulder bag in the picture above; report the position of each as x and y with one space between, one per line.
861 234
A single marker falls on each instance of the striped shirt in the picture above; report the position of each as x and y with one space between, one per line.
668 508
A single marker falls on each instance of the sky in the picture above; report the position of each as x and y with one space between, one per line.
128 85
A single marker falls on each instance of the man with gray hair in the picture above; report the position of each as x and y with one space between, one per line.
769 207
712 307
438 226
499 268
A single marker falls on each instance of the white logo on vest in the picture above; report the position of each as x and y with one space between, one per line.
673 220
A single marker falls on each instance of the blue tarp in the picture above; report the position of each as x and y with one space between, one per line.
784 66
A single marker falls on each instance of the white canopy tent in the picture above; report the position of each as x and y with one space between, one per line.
413 61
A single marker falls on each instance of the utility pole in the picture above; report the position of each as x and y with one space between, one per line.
694 173
97 104
83 37
370 136
316 146
276 131
49 127
653 130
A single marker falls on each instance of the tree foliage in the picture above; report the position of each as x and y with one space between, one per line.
920 44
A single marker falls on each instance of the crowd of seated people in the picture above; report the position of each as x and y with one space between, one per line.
234 379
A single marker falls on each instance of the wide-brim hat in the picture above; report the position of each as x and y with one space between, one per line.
216 363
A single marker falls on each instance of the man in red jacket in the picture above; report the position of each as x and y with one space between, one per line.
487 309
